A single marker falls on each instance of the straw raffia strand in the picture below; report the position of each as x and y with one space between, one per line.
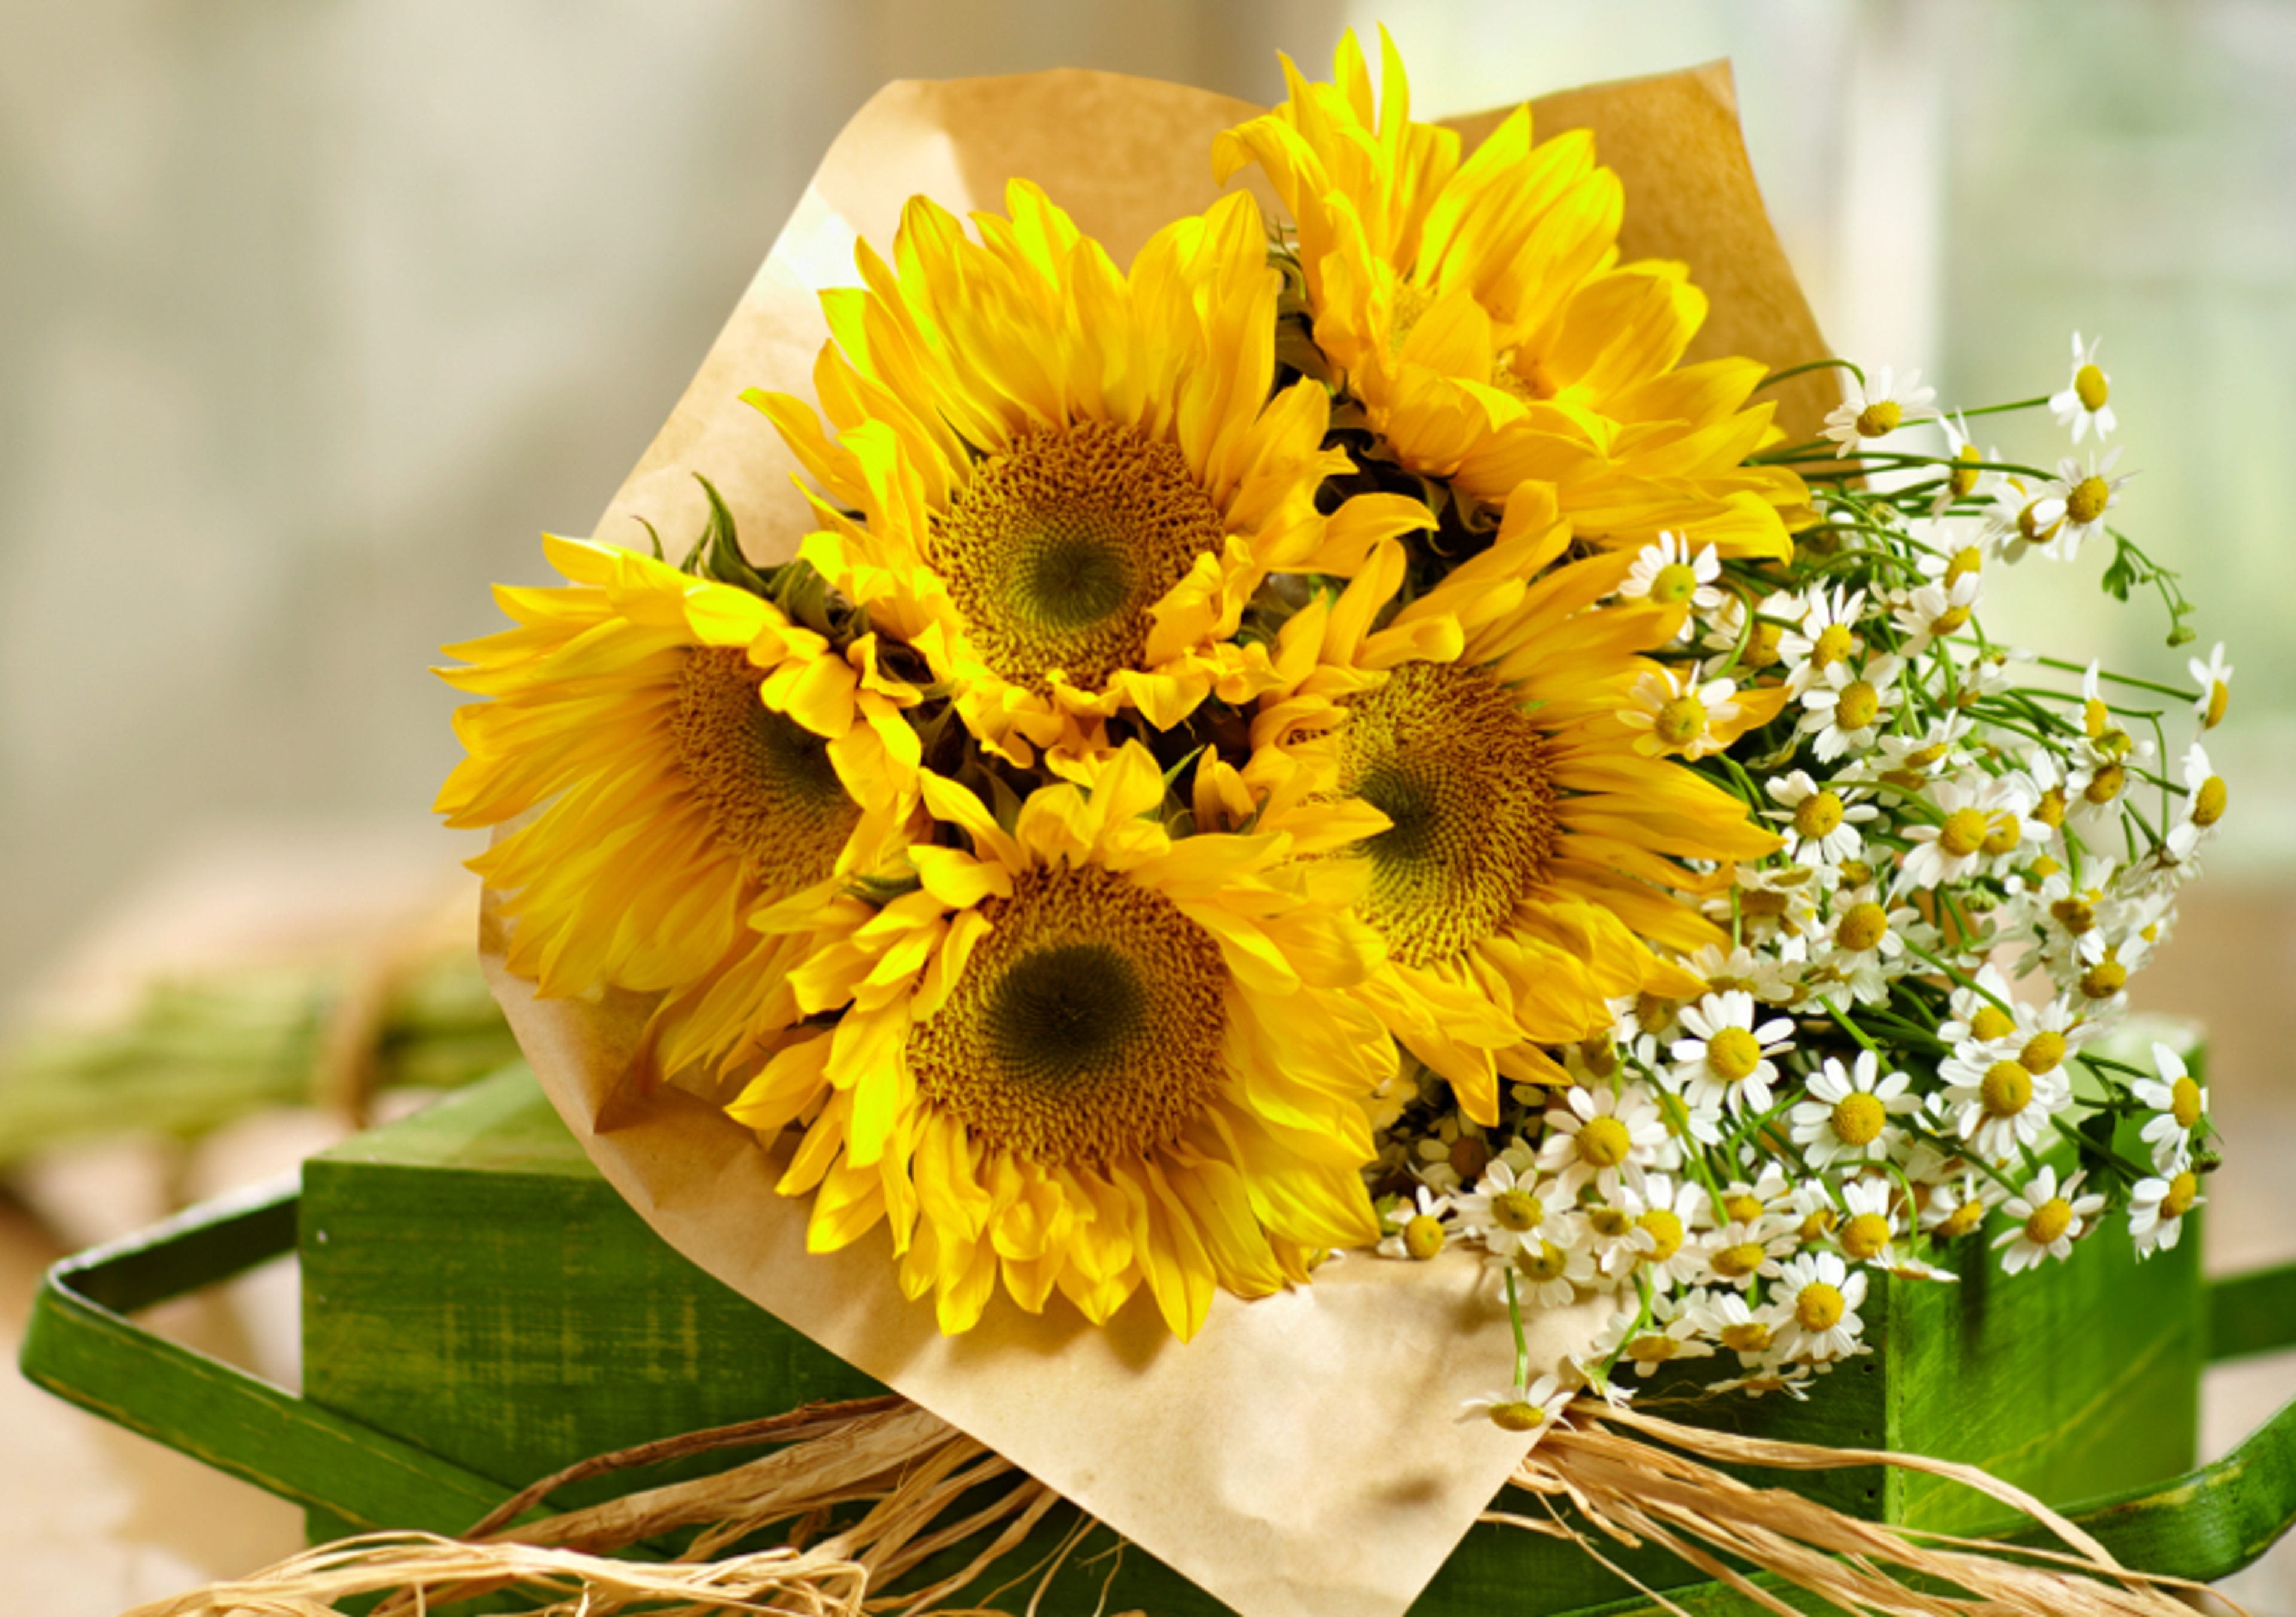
1601 1472
1609 1464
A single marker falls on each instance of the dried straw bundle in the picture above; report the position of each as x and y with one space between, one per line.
1629 1475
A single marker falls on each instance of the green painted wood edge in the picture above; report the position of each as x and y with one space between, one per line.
2252 1313
79 1346
2203 1525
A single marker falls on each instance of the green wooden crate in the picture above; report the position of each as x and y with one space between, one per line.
481 1308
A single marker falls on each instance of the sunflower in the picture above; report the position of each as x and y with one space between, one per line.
683 753
1085 1056
1479 311
1529 862
1069 480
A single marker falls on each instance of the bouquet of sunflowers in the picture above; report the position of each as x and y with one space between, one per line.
1335 744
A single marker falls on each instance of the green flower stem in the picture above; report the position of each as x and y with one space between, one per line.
1522 1345
1775 377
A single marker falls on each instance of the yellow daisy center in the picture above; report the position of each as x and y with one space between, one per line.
2105 785
1816 1227
1423 1236
765 780
1880 418
2005 1090
1963 832
1447 754
2185 1102
1964 483
1818 814
1857 705
1742 1208
1087 1024
1990 1023
1517 1210
2051 810
1762 646
1863 927
2209 801
1858 1118
1517 1414
2219 699
2050 1220
2002 834
1732 1054
1653 1347
1961 1220
2087 502
1674 584
1608 1222
1819 1307
1055 550
2088 387
2075 915
1736 1263
2105 979
1548 1264
2184 1190
2043 1052
1680 721
1752 1336
1865 1237
1604 1142
1831 646
1666 1229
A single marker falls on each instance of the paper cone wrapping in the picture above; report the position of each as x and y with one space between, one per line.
1299 1457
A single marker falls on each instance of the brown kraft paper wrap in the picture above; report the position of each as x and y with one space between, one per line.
1299 1457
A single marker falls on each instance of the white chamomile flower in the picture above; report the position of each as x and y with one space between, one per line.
1936 611
1726 1059
1792 1380
1981 1010
1825 633
1844 707
1958 1206
1747 1201
2082 403
2072 504
1817 1299
2157 1209
2178 1103
1669 1334
1822 821
1959 547
1596 1136
1850 1115
1908 761
2214 678
1616 1241
1422 1226
2204 805
1868 1230
1743 1251
1725 967
1876 408
2046 1035
1724 1319
1666 573
2049 1220
1679 716
1505 1209
1994 1103
1556 1266
2076 918
1964 480
1532 1409
1669 1212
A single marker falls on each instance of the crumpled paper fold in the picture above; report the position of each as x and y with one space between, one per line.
1299 1457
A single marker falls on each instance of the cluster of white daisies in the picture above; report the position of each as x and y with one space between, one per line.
1897 1051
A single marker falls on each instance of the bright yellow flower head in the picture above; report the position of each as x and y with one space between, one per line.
1530 843
1070 479
686 754
1478 311
1086 1055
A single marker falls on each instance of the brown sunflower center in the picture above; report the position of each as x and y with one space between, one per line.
1447 754
766 781
1055 549
1086 1026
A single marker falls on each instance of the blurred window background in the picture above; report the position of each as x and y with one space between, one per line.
315 312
